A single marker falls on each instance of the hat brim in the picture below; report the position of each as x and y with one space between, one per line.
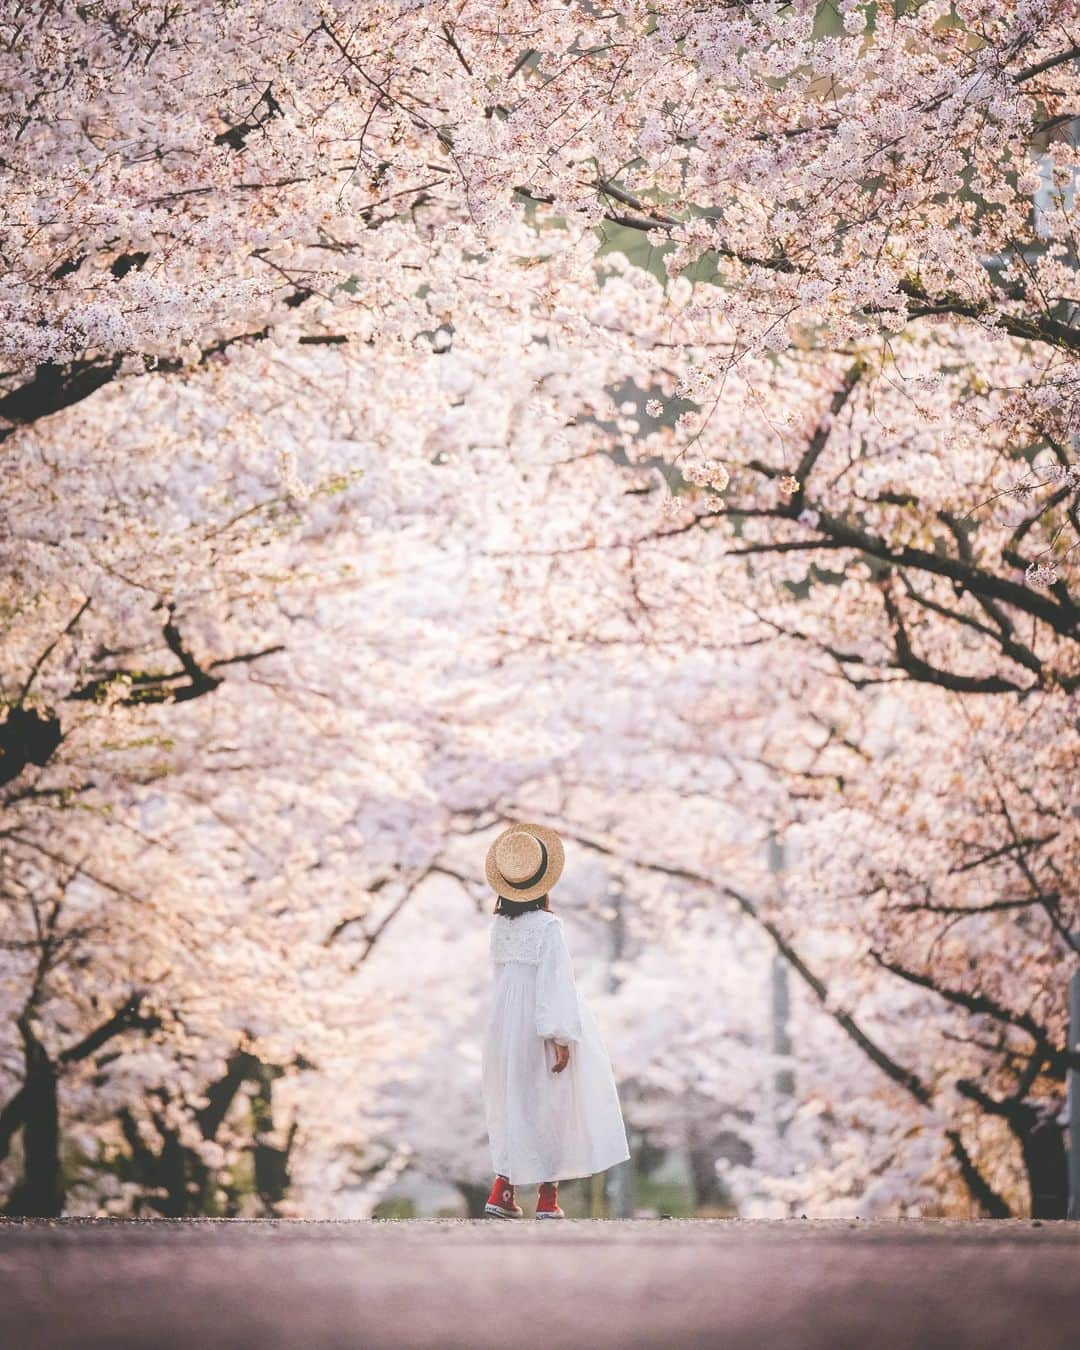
552 872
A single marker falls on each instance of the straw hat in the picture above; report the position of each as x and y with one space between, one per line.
524 862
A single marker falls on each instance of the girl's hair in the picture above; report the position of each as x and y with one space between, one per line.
510 909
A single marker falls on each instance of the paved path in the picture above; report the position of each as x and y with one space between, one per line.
578 1285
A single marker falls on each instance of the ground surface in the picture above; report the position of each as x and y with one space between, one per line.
796 1285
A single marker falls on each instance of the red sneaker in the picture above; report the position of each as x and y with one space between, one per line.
547 1202
500 1203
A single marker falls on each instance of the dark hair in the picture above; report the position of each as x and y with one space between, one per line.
510 909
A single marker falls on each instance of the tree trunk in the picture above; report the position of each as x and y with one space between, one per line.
191 1188
174 1161
39 1192
475 1198
1042 1147
1046 1163
271 1164
701 1159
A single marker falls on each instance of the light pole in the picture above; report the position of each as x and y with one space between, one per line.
781 996
1073 1081
620 1198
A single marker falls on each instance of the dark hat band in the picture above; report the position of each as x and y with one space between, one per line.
531 881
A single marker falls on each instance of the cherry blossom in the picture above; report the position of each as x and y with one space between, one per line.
662 421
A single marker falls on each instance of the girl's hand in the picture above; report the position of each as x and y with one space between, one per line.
562 1057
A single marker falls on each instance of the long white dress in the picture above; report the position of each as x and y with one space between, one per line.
545 1126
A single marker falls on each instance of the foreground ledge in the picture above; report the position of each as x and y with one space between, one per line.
85 1284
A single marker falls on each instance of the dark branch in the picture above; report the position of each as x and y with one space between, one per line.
58 386
918 669
820 438
1039 328
991 1203
164 686
68 629
130 1016
972 1002
1060 59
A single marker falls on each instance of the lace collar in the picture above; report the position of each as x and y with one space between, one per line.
519 939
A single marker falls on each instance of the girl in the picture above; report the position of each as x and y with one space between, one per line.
549 1096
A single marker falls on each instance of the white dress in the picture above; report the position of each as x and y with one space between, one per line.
545 1126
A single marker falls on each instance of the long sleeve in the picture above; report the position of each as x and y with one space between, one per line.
558 1015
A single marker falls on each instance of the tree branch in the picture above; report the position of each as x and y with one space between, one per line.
58 386
981 1190
69 627
128 1017
974 1003
921 671
989 1201
820 438
1040 328
1072 54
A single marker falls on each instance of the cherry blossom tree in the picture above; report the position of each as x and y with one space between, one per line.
663 421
